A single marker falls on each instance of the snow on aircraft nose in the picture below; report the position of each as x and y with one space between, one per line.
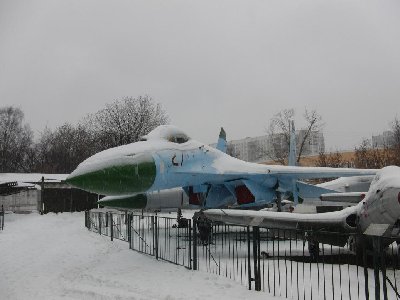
125 174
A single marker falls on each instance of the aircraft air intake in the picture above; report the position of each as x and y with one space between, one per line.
351 220
244 195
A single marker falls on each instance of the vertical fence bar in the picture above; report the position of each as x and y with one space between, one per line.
376 250
129 229
255 268
258 258
2 217
111 226
194 244
256 254
383 269
248 257
153 231
100 223
156 231
190 244
365 263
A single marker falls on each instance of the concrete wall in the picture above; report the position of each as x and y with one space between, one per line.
24 201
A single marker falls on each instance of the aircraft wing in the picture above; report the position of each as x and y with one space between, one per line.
263 181
317 172
229 167
340 221
246 171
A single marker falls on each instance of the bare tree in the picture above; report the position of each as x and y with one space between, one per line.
61 150
333 160
369 156
313 123
279 134
396 142
15 140
125 121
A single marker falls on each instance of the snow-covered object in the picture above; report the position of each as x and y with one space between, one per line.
388 177
350 197
165 132
31 177
168 158
381 205
56 257
283 220
349 184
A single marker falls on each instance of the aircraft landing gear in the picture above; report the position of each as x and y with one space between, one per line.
182 222
204 228
313 249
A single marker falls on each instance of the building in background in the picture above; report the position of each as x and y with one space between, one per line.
383 140
257 149
28 192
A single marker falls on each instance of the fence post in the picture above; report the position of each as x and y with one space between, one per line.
190 244
111 223
194 244
156 235
153 231
383 269
365 262
376 252
99 223
2 219
41 206
248 257
257 274
129 219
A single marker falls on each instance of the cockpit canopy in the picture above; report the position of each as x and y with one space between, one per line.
167 132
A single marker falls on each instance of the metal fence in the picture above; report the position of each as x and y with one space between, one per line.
162 237
291 264
286 263
109 224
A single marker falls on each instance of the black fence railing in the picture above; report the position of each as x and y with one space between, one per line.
300 264
295 264
162 237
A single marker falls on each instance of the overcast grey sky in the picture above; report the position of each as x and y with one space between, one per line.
210 63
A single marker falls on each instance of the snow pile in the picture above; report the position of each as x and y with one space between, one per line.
55 256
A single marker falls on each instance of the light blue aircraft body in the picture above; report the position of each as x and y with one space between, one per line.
167 158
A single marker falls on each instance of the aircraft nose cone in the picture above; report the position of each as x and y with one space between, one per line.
115 176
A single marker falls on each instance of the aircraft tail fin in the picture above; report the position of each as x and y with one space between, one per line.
222 144
292 145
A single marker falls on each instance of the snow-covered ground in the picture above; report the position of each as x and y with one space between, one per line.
56 257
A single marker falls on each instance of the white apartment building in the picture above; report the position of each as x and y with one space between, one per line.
256 149
383 140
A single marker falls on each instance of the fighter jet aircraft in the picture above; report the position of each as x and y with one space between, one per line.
175 198
167 158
